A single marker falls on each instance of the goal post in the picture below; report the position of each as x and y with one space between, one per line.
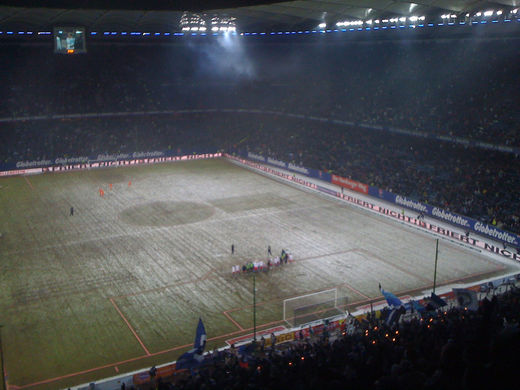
311 307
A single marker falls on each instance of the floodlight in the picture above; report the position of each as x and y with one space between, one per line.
488 13
322 25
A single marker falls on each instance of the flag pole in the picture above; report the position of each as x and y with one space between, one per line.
435 269
254 307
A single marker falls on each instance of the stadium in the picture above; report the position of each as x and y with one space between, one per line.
323 194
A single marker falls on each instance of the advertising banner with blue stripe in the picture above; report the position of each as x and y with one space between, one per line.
466 223
309 172
101 160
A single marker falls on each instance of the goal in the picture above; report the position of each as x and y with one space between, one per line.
311 307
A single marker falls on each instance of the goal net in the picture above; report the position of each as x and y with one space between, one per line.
312 307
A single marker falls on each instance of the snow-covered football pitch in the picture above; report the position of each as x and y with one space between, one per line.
121 284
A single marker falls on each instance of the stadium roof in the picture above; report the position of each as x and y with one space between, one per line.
251 15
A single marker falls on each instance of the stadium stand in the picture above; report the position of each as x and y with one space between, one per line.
126 98
452 349
477 103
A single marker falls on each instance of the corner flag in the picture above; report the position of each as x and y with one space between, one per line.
193 358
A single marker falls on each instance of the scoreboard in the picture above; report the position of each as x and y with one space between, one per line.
69 40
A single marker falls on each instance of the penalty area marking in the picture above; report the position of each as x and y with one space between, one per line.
46 381
394 265
212 275
232 320
130 327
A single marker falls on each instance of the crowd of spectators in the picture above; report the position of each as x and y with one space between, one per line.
473 182
465 88
452 349
74 137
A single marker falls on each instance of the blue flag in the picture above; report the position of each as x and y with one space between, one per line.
414 305
392 300
193 358
200 337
